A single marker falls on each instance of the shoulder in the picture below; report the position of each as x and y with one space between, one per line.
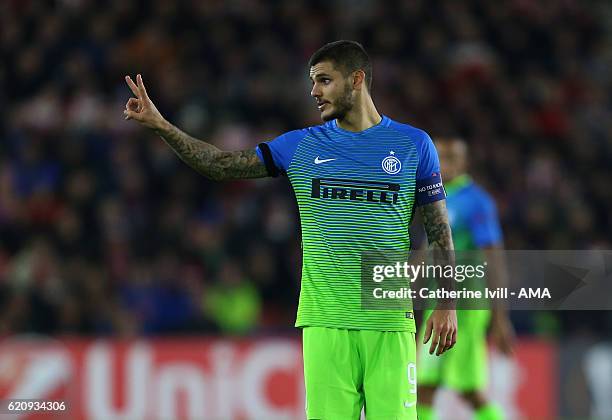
312 131
317 130
426 154
419 137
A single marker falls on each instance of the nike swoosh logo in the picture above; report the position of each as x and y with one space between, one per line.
408 405
318 161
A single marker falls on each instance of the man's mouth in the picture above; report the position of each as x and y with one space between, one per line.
321 105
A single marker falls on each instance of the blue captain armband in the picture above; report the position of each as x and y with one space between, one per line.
430 189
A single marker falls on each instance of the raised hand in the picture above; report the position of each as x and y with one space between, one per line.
141 108
205 158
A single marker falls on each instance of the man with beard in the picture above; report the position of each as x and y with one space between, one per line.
357 179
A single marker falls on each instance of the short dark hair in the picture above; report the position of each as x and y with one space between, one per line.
347 57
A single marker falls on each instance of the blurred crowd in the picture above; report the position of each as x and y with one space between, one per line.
104 231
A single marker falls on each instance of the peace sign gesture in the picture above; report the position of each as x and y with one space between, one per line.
141 108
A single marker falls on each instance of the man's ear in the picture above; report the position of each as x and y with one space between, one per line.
358 79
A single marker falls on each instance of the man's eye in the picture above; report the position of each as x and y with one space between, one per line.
325 81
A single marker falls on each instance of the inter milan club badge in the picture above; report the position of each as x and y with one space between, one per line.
391 164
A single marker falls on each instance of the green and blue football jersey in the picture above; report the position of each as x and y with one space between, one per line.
356 192
472 215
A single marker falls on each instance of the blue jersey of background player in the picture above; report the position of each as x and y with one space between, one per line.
475 226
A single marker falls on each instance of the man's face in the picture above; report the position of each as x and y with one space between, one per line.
332 91
453 157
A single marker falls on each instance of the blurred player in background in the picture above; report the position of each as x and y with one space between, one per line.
475 226
355 179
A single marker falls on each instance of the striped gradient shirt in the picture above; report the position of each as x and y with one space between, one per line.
356 192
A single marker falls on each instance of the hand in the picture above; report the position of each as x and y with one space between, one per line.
502 333
441 326
141 108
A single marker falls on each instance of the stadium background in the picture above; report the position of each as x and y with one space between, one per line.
151 289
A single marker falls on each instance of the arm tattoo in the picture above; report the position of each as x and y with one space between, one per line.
435 220
208 160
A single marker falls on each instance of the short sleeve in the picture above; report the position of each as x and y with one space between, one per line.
484 223
429 186
277 154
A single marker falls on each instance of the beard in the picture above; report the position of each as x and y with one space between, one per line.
341 106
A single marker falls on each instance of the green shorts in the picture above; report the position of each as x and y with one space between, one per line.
464 367
346 370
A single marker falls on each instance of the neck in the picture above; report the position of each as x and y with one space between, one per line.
363 116
461 179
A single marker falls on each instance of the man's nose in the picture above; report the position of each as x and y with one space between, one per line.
315 92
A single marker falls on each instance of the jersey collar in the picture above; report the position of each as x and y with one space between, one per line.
384 122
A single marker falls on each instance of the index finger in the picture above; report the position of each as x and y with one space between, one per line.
428 331
132 86
141 87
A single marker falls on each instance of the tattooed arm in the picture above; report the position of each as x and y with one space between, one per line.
442 324
205 158
208 160
435 220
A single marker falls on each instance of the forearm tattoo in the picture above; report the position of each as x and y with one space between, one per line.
435 220
211 162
